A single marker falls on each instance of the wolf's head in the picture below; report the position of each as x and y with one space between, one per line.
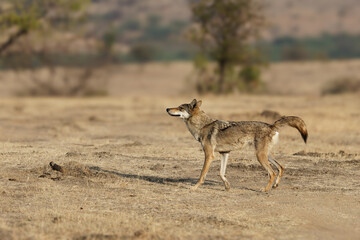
185 110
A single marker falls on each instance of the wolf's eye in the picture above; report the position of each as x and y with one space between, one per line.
181 108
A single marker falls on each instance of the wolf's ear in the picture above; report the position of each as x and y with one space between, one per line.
198 104
195 103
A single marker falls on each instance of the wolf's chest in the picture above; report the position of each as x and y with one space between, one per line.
194 131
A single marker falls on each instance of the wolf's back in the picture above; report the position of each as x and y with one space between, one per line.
294 122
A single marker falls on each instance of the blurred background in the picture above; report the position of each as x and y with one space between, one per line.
183 47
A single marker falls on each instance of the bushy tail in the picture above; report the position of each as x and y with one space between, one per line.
294 122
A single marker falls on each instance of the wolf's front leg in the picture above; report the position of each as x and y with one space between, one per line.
209 157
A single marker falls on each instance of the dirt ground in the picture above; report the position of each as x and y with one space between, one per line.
128 166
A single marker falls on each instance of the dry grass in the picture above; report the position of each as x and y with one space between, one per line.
128 167
168 79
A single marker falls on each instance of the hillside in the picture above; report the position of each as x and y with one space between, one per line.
286 17
297 30
324 28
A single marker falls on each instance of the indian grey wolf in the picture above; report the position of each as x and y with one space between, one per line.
226 136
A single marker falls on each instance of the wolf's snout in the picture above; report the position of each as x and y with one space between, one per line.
170 111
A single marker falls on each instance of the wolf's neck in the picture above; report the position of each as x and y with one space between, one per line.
196 123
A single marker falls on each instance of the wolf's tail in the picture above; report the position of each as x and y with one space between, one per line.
294 122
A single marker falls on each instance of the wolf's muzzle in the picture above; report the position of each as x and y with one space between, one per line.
171 114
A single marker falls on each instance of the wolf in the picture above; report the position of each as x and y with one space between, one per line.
226 136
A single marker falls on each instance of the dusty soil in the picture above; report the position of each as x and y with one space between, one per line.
128 166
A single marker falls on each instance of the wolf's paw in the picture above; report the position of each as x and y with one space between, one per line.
193 188
227 186
264 190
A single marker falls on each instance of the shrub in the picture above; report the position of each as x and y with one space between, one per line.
142 53
250 79
342 85
63 82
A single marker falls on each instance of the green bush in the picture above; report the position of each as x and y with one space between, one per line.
250 79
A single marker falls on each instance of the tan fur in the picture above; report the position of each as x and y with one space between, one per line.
226 136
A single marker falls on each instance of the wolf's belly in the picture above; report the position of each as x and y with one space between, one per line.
227 145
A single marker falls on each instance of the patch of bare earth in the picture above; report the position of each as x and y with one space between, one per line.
127 168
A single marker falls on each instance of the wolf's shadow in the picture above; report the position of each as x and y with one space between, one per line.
153 179
164 180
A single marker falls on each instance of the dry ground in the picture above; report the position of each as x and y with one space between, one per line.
128 167
172 79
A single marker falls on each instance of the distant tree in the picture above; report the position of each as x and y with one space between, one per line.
109 40
295 52
35 21
19 17
223 31
131 25
142 53
155 30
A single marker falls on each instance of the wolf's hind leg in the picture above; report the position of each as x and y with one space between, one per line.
224 159
279 167
262 157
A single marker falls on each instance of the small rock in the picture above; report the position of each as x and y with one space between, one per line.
157 167
56 167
